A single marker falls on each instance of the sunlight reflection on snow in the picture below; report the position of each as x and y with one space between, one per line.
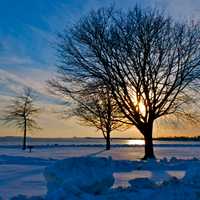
135 142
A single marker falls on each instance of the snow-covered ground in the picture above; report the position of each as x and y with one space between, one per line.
22 172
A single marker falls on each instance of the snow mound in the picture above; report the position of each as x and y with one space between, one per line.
192 176
76 176
142 183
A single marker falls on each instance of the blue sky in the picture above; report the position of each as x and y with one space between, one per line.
28 31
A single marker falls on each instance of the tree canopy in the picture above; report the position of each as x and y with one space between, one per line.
149 62
21 113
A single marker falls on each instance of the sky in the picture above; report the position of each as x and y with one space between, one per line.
28 35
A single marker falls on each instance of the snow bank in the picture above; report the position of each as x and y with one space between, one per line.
192 176
91 178
76 176
141 183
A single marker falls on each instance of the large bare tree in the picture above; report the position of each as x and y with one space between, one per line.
150 63
21 113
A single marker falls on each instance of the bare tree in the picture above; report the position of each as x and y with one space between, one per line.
93 105
21 112
150 62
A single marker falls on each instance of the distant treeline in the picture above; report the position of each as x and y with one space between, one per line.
181 138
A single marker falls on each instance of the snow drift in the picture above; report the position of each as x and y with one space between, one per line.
91 178
75 176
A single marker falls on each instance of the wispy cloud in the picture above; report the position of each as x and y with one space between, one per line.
15 60
13 83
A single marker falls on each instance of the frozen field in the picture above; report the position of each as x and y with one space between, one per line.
21 172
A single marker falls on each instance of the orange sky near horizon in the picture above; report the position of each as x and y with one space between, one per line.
59 128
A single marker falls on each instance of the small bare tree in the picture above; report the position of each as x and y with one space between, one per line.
93 105
150 63
21 112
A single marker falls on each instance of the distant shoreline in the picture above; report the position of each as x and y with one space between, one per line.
14 138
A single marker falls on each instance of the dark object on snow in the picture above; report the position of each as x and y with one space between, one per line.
30 147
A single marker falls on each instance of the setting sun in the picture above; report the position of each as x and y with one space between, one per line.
142 108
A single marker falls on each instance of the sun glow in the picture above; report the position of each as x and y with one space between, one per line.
142 108
139 101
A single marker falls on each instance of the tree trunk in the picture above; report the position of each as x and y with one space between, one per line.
149 151
24 138
108 140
